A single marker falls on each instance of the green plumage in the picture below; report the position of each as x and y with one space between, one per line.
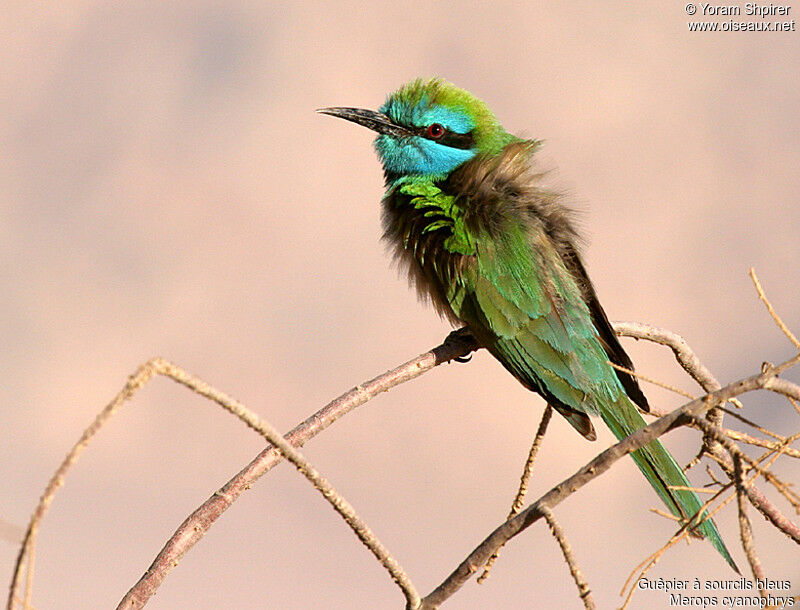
491 249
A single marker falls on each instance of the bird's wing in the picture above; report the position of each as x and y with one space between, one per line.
524 305
606 334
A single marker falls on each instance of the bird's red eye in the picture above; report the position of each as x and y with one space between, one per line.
435 131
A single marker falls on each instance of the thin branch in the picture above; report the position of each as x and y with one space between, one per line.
666 515
694 367
745 530
713 476
757 499
457 345
593 469
577 575
683 533
783 386
771 309
342 506
26 604
697 490
734 451
730 446
695 460
736 435
158 366
648 564
794 404
680 348
688 361
660 384
772 514
517 504
136 381
752 424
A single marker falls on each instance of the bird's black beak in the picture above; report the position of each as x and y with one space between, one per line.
370 119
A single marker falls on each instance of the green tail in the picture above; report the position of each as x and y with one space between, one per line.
661 470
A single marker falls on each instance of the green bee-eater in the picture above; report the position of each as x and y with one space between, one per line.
493 250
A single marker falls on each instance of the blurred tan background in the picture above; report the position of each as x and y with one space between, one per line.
167 189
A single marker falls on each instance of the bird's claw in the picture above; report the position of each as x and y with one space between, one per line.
463 337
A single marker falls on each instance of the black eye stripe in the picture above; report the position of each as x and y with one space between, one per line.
448 138
457 140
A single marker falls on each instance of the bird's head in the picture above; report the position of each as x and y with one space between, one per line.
428 128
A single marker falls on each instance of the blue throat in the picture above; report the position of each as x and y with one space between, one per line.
418 156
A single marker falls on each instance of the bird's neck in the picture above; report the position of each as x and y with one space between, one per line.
394 180
497 148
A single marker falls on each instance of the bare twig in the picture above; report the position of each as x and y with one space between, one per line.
666 515
660 384
695 460
697 490
715 480
771 309
158 366
342 506
688 361
734 451
137 380
683 533
757 499
783 386
457 345
754 425
645 566
730 446
593 469
704 412
736 435
773 515
794 404
26 604
692 365
745 531
680 348
516 505
577 575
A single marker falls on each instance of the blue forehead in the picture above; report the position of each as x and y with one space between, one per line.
423 113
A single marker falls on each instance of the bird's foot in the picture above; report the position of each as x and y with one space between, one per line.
464 339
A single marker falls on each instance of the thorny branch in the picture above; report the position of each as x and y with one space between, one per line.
704 413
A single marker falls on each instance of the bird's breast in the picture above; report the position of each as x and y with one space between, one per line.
424 228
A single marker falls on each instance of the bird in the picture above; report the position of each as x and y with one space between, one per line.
467 216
